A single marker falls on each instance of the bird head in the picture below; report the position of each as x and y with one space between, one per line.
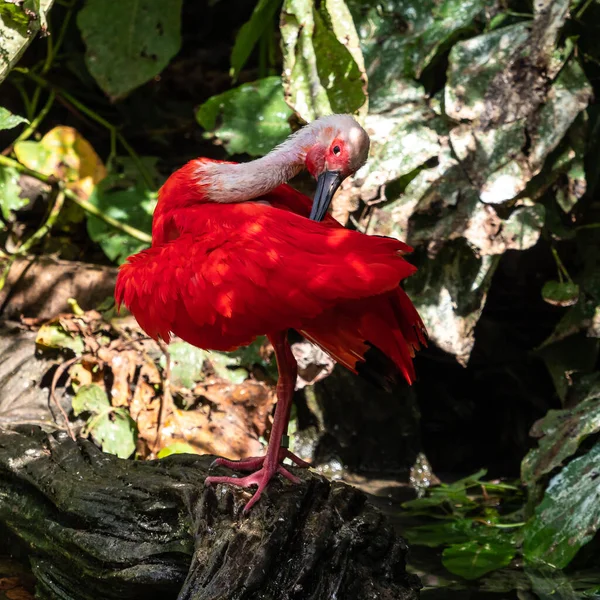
340 148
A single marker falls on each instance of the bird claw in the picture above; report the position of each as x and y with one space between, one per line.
261 476
256 462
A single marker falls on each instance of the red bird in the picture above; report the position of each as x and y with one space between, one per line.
237 253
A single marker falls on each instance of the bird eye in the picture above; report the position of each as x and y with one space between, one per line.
336 150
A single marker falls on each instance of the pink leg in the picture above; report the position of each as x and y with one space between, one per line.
265 468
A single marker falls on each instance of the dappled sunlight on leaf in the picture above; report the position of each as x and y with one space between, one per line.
250 119
65 154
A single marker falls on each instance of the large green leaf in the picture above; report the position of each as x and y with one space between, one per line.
8 120
129 43
497 119
18 27
323 71
562 431
569 514
400 39
122 196
260 22
9 192
250 119
473 559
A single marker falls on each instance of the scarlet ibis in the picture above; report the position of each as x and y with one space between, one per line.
237 253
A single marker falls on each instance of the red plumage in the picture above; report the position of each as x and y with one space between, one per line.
220 274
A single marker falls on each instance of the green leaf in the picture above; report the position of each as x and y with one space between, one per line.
228 367
90 398
129 43
440 534
176 448
186 364
250 119
8 120
52 335
452 495
14 13
569 514
472 559
323 71
249 34
10 191
115 432
133 206
562 431
400 39
18 26
560 293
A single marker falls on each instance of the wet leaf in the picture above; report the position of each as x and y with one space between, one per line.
10 191
177 448
569 514
560 293
321 74
53 336
90 398
562 431
481 90
249 34
128 43
65 154
400 39
17 30
250 119
471 560
186 364
8 120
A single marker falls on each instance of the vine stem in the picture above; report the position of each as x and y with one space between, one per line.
36 237
87 206
32 127
115 134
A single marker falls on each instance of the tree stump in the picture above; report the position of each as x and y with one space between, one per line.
100 528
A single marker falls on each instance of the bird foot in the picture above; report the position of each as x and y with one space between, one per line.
263 473
256 462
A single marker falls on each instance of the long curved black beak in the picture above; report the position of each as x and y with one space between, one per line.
327 184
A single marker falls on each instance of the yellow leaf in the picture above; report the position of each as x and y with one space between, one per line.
65 154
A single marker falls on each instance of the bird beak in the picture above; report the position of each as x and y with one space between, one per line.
327 184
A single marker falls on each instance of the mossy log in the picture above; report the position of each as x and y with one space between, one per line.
97 527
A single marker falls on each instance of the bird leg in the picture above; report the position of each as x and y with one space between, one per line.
264 468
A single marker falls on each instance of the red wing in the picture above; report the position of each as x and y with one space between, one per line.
257 270
388 323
